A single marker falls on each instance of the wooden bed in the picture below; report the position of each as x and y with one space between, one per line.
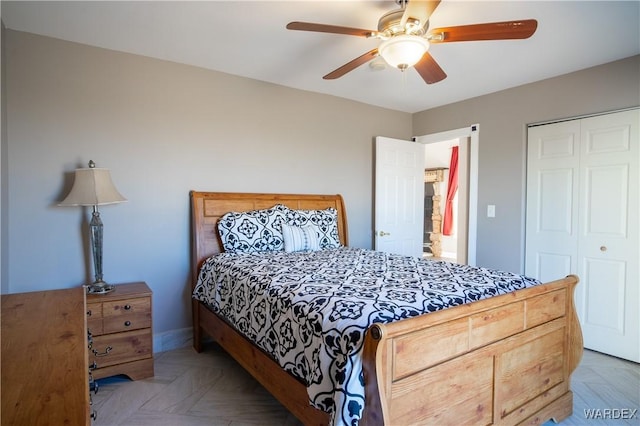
504 360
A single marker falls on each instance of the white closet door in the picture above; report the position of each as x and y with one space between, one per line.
583 190
608 300
553 162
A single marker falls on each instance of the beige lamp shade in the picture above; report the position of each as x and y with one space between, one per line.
92 187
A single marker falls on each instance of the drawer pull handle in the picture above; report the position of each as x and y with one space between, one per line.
127 307
89 313
93 386
127 323
105 353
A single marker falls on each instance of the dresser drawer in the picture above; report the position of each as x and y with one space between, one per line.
124 315
94 318
118 348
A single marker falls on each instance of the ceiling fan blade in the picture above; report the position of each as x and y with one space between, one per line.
350 66
492 31
420 10
429 69
333 29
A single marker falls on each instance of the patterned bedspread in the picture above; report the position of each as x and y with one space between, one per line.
310 310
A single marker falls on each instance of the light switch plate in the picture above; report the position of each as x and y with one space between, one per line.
491 210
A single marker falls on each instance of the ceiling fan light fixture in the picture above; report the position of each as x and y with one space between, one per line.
403 51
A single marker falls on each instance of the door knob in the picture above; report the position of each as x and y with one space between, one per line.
603 248
382 233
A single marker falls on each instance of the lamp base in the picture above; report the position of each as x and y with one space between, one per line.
100 287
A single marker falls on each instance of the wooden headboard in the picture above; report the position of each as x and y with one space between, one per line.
208 207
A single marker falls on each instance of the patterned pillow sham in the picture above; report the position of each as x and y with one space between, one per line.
253 231
325 222
300 238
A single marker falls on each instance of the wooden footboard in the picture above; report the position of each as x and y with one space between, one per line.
502 361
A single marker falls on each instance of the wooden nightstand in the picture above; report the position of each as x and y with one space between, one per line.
120 325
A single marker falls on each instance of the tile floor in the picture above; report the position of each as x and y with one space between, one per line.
210 388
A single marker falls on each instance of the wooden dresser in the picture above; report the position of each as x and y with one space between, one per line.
120 327
45 374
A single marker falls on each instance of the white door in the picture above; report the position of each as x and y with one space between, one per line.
399 196
582 217
608 257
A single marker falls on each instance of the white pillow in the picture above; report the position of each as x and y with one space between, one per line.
300 238
325 222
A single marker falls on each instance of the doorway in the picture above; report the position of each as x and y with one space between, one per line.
437 245
467 139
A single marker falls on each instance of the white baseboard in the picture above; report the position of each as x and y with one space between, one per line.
172 339
448 255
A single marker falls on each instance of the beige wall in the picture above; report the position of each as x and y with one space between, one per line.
163 129
503 119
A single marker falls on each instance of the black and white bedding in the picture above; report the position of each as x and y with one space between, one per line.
310 310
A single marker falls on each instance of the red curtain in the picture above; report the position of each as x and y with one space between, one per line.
452 187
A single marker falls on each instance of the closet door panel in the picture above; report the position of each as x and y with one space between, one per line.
604 321
608 254
606 203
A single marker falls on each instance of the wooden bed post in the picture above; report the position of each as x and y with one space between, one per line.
576 343
196 223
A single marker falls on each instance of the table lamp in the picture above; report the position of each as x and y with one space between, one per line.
93 187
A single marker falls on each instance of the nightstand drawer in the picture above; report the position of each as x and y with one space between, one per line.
125 323
126 307
111 349
124 315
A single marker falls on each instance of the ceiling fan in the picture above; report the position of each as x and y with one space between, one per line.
406 37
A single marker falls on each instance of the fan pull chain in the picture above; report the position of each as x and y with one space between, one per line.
405 86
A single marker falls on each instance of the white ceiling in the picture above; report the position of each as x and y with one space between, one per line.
248 38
